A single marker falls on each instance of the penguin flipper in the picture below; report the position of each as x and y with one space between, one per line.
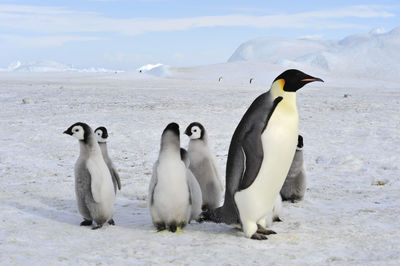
153 183
115 177
253 151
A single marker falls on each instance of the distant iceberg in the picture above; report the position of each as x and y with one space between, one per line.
373 55
158 70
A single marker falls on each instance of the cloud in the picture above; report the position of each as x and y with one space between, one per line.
42 41
59 20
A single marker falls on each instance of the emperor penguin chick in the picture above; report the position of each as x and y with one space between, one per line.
203 166
294 187
102 136
169 196
93 184
194 188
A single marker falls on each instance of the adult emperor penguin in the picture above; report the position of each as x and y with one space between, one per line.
261 151
203 166
294 187
194 188
102 136
93 184
169 195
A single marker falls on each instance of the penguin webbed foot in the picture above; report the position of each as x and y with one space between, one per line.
97 227
160 227
200 219
86 223
111 222
172 227
209 215
258 236
263 231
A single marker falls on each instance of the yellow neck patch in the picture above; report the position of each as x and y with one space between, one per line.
282 83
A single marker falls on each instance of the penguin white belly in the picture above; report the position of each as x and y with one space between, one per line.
101 184
171 195
279 142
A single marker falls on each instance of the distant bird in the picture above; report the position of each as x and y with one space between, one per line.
93 184
102 136
251 80
169 196
260 154
194 188
203 166
294 187
220 79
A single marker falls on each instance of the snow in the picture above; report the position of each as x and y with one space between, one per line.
373 55
351 148
350 124
158 70
148 67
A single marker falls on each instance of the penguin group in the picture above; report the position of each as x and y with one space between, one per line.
96 179
264 166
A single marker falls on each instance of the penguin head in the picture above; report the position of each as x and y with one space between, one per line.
101 134
300 143
79 130
292 80
195 131
170 136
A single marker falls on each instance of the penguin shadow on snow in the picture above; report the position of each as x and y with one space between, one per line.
55 209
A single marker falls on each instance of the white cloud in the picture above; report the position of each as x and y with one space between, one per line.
42 41
58 20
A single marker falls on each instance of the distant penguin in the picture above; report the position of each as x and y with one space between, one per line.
102 136
169 196
194 188
203 166
251 80
93 183
295 184
220 79
260 154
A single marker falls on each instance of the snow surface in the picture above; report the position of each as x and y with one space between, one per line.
351 136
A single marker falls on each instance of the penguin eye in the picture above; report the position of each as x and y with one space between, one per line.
76 130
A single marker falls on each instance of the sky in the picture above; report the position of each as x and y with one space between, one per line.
124 35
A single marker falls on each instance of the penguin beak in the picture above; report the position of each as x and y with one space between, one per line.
187 132
68 131
311 79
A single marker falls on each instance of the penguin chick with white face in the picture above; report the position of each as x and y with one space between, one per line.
102 137
295 183
169 196
203 166
93 184
260 154
194 188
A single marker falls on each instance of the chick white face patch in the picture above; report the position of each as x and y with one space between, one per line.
196 132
